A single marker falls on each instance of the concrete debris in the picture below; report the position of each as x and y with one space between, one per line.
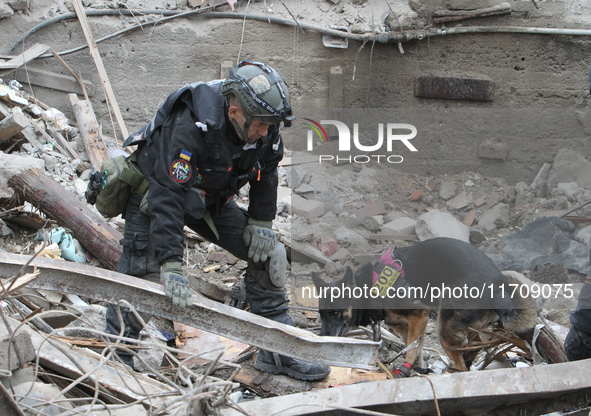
329 217
440 224
400 226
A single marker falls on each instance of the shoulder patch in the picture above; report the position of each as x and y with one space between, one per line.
180 170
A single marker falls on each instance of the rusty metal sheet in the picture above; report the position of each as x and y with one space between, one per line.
107 286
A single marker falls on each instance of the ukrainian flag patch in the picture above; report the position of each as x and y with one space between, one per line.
186 155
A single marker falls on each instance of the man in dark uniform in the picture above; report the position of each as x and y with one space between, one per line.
206 142
578 341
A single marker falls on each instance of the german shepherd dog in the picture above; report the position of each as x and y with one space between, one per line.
440 266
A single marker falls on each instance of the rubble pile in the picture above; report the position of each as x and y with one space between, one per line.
329 217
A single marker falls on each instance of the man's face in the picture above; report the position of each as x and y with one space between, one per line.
257 129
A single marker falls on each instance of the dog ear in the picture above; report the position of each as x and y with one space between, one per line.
318 282
349 277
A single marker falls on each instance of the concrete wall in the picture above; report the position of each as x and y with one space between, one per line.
543 78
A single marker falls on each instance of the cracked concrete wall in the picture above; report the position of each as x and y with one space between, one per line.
542 73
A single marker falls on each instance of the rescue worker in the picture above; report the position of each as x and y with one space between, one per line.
206 142
578 340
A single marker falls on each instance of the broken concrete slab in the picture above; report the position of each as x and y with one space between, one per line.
494 218
460 201
351 240
341 254
307 208
370 224
9 358
11 165
373 208
401 226
393 215
440 224
569 166
448 190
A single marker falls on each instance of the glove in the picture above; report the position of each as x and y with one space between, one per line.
260 239
176 286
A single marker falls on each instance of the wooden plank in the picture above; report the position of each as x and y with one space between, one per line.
28 55
99 66
89 130
50 139
13 124
61 140
456 88
52 80
20 282
88 226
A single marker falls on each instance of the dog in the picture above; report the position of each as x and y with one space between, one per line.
422 271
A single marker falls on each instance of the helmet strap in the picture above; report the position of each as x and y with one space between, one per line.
243 131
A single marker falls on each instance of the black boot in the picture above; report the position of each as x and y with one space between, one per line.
271 362
132 329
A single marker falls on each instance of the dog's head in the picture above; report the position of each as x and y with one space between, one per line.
339 312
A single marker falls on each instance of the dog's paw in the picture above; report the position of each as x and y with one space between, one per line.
403 371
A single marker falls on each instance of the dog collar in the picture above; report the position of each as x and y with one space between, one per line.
386 260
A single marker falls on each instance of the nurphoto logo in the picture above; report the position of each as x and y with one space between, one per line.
390 133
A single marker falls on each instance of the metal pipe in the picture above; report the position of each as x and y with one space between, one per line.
385 37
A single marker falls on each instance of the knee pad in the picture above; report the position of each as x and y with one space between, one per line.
272 277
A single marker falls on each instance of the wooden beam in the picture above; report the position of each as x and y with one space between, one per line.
50 139
88 226
12 125
18 61
89 130
59 138
99 66
52 80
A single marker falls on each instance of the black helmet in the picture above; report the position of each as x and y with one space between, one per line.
261 91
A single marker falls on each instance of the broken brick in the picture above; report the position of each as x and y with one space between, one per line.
416 196
327 246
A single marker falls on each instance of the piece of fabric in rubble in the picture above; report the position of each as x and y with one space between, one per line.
543 241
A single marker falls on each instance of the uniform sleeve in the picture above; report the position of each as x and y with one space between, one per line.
170 189
263 191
